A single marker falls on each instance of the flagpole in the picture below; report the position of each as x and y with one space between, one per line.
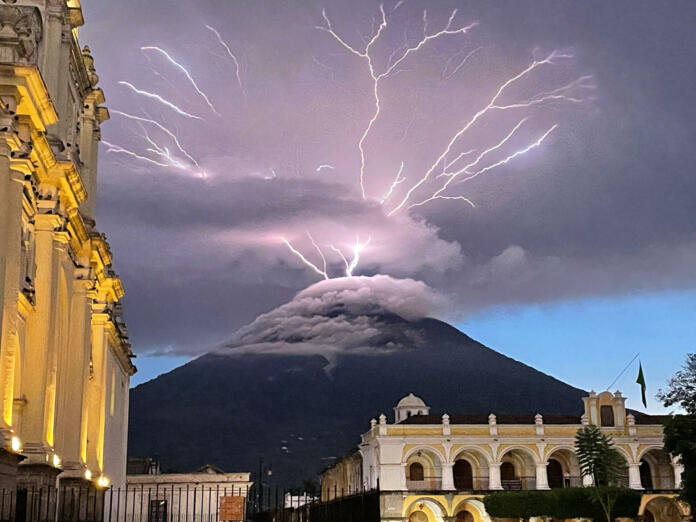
623 371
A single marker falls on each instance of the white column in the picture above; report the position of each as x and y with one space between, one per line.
447 477
634 476
678 469
494 476
542 480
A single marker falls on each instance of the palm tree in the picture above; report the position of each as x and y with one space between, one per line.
600 460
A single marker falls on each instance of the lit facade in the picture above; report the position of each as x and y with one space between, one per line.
65 361
435 468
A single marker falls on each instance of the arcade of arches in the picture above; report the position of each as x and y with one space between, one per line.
444 464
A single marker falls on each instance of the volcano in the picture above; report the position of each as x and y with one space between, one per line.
271 394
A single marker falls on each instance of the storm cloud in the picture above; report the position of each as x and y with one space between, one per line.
604 206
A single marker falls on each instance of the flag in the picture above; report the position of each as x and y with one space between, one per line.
641 380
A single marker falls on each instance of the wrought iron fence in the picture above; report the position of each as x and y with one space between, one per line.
158 503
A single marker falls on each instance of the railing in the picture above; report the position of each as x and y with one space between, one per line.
166 503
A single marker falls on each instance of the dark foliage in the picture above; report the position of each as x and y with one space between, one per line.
560 504
680 440
681 388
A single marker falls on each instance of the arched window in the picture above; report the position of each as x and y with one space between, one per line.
464 516
415 471
645 475
463 475
507 471
606 415
554 472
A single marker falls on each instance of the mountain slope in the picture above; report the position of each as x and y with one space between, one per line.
298 412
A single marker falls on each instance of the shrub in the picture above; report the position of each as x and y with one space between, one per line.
559 504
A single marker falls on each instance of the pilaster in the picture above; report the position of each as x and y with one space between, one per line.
494 476
71 411
10 256
634 476
542 480
447 477
42 343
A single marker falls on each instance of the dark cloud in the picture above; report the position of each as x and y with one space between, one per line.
605 206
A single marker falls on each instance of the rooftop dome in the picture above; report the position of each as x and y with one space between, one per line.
411 401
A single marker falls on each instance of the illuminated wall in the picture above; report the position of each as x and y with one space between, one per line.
65 360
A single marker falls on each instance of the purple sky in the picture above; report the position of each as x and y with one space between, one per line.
603 207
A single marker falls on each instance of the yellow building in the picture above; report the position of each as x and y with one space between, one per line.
65 361
431 468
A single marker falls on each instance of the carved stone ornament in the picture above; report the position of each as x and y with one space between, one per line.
20 33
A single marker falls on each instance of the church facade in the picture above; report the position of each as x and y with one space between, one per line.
431 468
65 360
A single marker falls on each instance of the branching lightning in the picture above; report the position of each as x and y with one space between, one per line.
350 266
160 99
118 149
463 157
390 68
161 127
184 70
555 95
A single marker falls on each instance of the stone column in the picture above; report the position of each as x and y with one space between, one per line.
10 261
40 390
634 476
96 390
447 477
542 480
73 379
678 469
494 476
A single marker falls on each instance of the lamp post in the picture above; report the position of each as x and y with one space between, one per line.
263 470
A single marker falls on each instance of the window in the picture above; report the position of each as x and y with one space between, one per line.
463 475
415 471
158 511
606 415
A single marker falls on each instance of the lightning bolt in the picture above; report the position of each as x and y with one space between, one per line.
305 260
397 181
184 70
357 248
447 76
492 105
161 127
229 53
159 99
389 69
324 166
471 175
118 149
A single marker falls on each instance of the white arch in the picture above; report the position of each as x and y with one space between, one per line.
437 509
535 456
487 459
475 504
424 447
652 447
626 454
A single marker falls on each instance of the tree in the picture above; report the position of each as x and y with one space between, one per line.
599 459
680 430
681 388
